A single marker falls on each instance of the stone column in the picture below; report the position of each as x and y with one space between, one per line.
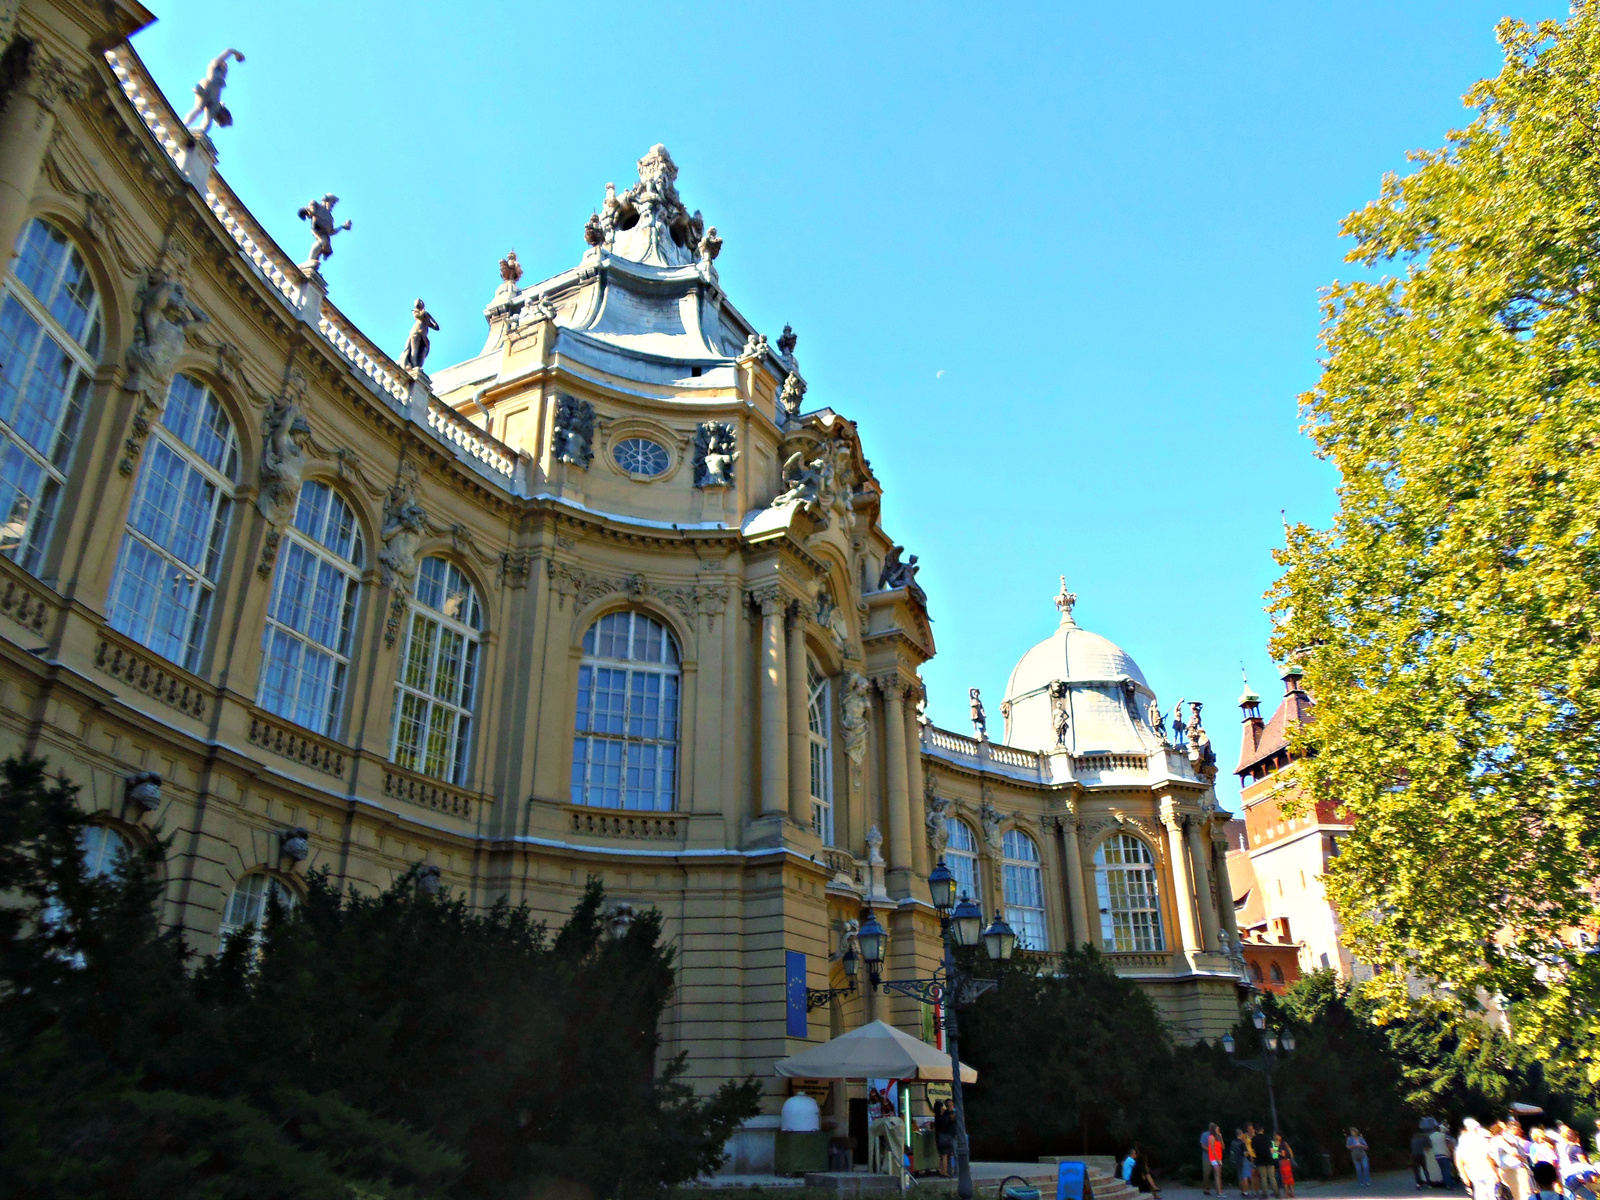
920 865
894 728
25 129
1202 884
1230 920
1182 889
774 705
1077 902
799 719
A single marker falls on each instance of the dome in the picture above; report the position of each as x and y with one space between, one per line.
1101 698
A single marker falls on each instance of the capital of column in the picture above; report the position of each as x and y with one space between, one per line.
799 614
769 598
49 80
1171 817
891 684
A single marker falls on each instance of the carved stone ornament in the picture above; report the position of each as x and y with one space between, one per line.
49 81
429 880
714 454
510 268
585 587
938 820
285 434
572 439
1201 755
159 337
896 574
989 819
802 483
515 567
144 790
649 222
874 846
1060 712
295 843
403 524
854 703
792 396
831 617
755 346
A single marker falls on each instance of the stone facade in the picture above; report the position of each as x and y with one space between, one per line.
297 608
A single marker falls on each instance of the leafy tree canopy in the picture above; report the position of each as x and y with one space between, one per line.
1449 621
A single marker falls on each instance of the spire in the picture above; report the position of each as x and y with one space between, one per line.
1064 601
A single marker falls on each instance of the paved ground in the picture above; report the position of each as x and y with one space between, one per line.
1391 1184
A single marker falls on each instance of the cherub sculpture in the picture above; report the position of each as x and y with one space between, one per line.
320 214
710 245
208 104
417 344
510 268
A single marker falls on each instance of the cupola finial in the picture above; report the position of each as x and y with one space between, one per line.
1064 601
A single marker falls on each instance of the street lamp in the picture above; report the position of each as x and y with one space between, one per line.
1269 1059
960 924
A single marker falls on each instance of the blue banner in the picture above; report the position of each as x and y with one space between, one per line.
794 963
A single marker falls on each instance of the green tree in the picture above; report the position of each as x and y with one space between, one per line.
1449 621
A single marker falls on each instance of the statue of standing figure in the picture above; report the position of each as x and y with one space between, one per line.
417 344
980 723
320 214
208 94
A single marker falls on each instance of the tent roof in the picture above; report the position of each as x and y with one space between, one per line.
875 1051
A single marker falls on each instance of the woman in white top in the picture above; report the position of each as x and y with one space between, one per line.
1510 1154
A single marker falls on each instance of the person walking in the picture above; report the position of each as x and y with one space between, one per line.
1439 1146
1473 1162
1357 1145
1205 1160
1214 1154
1266 1169
1283 1159
1419 1158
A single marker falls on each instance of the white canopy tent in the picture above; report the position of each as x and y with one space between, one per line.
875 1051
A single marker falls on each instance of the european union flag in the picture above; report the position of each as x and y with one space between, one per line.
794 963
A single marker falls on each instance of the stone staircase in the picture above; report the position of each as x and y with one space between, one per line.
1104 1183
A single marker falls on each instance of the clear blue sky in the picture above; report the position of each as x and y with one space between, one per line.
1061 262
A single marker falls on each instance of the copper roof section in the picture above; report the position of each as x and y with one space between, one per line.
1261 742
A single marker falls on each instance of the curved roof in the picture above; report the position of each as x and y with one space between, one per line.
1103 695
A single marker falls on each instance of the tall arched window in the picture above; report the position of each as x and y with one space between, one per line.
820 711
248 903
306 645
438 674
1024 881
50 341
1125 877
961 856
167 567
625 754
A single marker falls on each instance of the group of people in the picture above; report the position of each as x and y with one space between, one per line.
1263 1162
1502 1162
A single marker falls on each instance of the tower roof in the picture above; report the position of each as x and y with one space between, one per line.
1294 708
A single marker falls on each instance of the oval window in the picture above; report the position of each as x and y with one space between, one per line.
640 456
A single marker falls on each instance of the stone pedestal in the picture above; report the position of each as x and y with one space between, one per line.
313 290
197 160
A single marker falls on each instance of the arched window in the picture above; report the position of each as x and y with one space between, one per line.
1125 876
306 645
625 754
1024 880
961 856
248 904
821 733
1255 972
167 567
1277 973
50 341
104 850
438 674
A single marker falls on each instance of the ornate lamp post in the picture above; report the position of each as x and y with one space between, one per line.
1270 1059
960 924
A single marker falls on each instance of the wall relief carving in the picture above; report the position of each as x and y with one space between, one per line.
573 436
159 337
404 522
714 454
585 587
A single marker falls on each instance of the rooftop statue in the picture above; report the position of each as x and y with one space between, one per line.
417 343
786 343
320 214
802 482
897 574
980 722
510 268
208 104
710 245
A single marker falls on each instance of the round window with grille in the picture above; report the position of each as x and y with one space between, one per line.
640 456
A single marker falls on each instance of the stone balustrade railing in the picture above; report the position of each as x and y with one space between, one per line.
478 443
285 277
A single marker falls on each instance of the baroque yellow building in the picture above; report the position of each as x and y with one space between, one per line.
610 598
